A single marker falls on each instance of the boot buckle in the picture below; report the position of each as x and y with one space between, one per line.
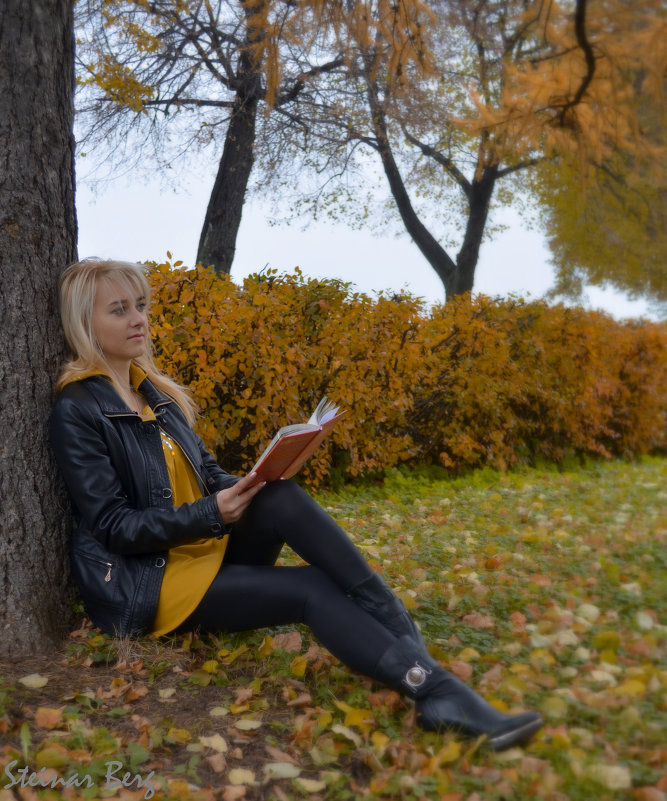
416 676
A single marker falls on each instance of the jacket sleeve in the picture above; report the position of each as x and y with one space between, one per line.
101 501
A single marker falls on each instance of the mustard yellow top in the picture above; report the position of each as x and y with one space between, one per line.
190 568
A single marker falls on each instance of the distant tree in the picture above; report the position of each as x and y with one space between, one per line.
507 85
37 239
176 75
607 226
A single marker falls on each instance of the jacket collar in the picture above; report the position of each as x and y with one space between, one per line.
110 401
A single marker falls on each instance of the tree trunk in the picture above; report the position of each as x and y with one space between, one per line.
217 244
37 239
457 276
479 200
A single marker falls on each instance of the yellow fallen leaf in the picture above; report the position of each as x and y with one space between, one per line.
210 666
266 647
298 666
355 716
407 599
469 655
216 742
33 681
450 752
607 640
167 693
241 776
179 735
218 711
380 741
324 718
632 687
52 756
554 708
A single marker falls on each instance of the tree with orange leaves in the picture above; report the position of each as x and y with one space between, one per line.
196 73
507 86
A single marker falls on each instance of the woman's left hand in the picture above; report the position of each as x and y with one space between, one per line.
233 502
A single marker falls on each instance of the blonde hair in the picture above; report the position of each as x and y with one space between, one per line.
78 287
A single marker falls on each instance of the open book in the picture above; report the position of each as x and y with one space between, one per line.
293 445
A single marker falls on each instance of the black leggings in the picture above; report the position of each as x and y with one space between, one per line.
250 592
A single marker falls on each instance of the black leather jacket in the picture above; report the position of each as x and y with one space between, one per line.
114 467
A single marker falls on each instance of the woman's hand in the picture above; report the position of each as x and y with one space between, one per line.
233 502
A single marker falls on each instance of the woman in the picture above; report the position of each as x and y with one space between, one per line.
167 541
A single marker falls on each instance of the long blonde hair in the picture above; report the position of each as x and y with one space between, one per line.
78 287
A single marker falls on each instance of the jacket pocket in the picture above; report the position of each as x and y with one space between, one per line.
97 577
100 562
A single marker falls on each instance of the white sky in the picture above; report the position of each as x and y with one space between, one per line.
141 221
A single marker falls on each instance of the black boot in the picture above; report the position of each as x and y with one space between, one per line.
374 596
442 702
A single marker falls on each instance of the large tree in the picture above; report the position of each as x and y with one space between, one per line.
37 238
167 77
507 85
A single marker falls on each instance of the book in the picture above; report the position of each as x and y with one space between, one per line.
293 445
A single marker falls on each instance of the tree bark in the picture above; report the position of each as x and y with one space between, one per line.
217 244
37 239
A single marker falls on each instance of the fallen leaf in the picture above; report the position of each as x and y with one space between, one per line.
280 770
345 731
613 777
247 724
301 700
298 665
288 641
311 785
241 776
217 762
231 793
181 736
216 742
478 620
462 670
34 681
48 718
450 752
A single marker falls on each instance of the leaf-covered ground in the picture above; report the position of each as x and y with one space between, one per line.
541 589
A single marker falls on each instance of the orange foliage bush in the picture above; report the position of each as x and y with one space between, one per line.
485 383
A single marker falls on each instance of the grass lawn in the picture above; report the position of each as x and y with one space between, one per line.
542 589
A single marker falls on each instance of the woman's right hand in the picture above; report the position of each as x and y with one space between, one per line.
233 502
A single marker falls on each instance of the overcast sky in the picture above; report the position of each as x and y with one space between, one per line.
139 221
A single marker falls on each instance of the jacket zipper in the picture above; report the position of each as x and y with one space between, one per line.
202 483
108 565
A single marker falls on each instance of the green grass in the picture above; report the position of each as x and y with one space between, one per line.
544 588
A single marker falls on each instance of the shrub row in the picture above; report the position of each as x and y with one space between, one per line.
465 385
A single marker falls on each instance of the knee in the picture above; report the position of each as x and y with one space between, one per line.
280 497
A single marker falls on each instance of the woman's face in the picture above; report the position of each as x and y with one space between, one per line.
119 322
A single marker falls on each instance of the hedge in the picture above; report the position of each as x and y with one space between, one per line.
469 384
